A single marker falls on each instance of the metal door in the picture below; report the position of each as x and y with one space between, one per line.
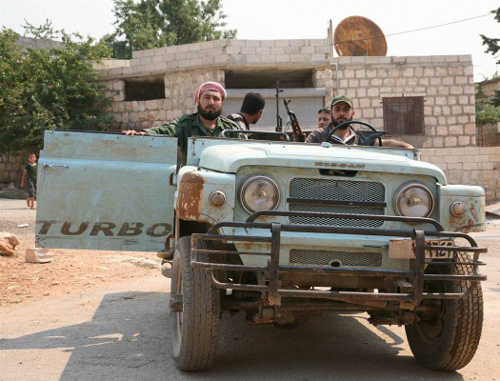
105 191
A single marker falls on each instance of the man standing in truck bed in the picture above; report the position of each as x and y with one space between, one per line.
251 110
206 121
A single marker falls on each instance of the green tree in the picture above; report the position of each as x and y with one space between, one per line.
48 89
486 111
493 47
149 24
493 43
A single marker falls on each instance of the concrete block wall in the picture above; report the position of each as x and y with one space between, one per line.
277 52
179 99
11 169
114 90
469 166
445 82
106 64
327 78
219 54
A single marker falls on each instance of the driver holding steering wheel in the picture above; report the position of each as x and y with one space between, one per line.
340 132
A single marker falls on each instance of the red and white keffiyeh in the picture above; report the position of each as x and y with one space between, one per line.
209 86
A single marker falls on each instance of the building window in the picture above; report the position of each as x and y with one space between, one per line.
404 115
144 89
266 78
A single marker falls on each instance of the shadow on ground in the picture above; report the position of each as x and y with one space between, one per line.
129 338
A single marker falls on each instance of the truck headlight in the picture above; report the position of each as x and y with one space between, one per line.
414 200
259 193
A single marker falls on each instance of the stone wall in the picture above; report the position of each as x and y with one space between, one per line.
11 169
221 54
445 82
469 166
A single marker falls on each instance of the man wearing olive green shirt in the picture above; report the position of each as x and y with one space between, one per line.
206 121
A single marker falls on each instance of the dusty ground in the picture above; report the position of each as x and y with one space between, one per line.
70 271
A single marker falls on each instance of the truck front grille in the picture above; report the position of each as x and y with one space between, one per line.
335 258
336 196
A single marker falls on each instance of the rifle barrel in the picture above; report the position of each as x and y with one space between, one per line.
279 120
298 135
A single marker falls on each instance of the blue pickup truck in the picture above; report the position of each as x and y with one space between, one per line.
283 231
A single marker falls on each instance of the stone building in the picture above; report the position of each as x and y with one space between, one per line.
426 101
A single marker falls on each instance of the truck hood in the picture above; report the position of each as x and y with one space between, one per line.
229 158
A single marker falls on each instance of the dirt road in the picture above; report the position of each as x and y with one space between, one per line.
120 329
70 271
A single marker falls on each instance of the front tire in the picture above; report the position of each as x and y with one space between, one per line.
196 327
447 336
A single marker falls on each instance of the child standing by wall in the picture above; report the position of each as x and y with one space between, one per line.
29 178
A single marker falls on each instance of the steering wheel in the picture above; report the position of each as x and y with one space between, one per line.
365 138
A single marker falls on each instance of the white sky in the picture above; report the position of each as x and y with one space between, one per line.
304 19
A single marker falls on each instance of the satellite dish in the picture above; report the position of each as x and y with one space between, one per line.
359 36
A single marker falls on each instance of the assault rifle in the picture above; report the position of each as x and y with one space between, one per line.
297 134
